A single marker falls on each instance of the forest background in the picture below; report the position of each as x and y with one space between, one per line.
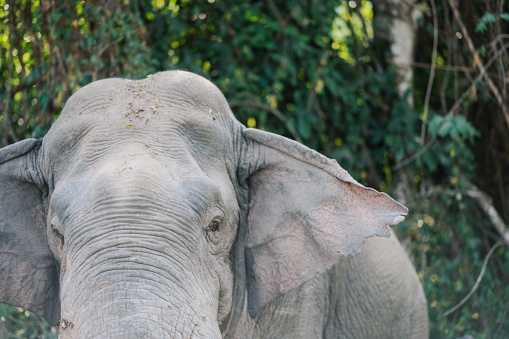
409 96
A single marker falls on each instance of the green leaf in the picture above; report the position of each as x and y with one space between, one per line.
484 20
446 128
435 124
55 16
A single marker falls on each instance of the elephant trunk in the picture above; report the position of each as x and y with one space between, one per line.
136 280
134 303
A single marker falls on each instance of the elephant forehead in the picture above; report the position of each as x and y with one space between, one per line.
171 142
162 112
172 88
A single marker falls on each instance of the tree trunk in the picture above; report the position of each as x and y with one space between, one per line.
394 26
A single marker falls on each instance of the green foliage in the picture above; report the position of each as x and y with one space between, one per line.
18 323
449 256
308 70
49 52
455 127
450 235
486 19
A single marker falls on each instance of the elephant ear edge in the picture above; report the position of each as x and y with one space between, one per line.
305 213
28 270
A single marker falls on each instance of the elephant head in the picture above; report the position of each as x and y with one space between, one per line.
148 209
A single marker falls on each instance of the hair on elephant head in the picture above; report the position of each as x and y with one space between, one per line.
148 209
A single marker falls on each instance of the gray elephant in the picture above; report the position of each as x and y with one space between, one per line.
148 210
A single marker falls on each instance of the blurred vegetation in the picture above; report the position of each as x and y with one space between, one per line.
310 70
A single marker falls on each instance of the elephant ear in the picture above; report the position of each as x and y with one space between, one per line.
28 270
305 213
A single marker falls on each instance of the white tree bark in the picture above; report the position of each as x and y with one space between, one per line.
395 22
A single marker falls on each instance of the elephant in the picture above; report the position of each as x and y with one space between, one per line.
148 210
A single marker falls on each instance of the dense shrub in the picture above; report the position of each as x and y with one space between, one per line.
309 70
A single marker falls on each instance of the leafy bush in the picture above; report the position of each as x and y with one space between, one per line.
312 71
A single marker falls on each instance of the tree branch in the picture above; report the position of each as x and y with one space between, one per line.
313 103
478 62
462 69
465 94
477 282
506 308
431 73
23 86
377 63
485 202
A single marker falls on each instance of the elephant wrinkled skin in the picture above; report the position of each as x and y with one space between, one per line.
148 210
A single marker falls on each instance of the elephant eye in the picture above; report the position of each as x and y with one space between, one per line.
211 233
57 233
60 235
213 226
